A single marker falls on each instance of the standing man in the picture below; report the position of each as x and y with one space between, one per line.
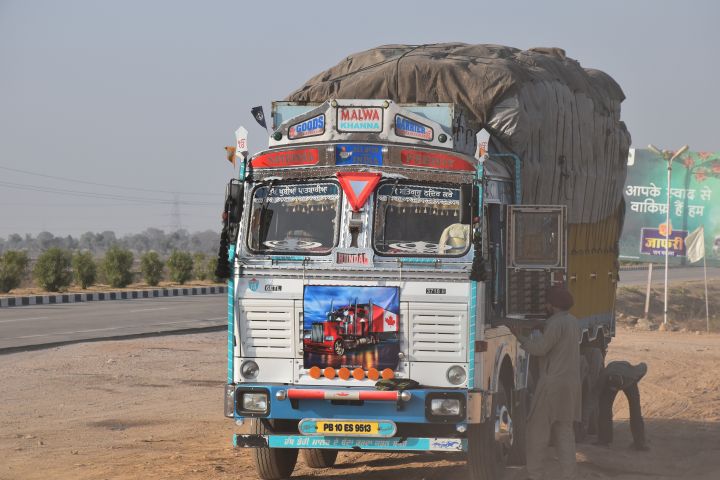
556 404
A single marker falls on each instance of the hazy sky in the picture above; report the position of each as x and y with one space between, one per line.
144 94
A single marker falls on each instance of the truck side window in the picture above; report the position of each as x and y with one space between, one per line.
495 251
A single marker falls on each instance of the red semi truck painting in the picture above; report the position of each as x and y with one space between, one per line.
350 327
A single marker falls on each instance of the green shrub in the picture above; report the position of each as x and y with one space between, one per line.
84 269
212 266
180 265
116 266
152 268
200 266
13 265
52 270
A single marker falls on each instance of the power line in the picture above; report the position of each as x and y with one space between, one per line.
136 189
108 196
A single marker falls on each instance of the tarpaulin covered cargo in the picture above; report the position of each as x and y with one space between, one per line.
562 120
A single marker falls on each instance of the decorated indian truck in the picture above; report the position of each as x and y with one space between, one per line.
377 250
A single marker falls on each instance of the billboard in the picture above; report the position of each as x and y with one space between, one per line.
351 326
694 201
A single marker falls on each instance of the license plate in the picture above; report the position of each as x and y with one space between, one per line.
347 428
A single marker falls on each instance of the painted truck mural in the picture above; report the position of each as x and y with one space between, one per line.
351 326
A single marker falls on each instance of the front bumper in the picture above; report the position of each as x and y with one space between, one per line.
346 403
352 443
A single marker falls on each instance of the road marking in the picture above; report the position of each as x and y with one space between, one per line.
23 319
149 309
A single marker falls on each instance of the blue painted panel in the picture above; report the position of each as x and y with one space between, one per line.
412 411
358 154
347 443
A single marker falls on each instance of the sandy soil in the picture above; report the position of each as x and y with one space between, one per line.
152 408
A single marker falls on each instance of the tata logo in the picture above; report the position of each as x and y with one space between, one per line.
253 284
307 128
359 119
405 127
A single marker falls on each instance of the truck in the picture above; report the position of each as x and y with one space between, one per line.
423 216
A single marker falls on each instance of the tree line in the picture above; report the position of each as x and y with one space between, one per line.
97 243
54 263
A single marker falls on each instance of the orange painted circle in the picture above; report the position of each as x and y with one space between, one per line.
344 373
373 374
329 373
387 374
358 373
314 372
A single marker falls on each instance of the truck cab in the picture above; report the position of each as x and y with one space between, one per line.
377 251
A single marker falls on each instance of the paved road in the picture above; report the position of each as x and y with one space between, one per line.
639 277
73 322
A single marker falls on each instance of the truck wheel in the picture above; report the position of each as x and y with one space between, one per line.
519 412
272 463
339 348
319 458
490 442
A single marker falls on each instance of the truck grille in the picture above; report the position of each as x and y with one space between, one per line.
316 334
438 333
266 329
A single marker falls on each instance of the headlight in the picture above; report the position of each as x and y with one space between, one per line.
329 339
249 369
445 406
456 375
254 402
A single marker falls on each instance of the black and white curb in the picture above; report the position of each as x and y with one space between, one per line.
99 296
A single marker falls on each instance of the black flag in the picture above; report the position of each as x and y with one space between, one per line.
257 112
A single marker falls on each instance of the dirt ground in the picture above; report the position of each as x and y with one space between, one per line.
152 409
686 305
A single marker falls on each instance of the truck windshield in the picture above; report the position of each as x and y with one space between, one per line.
294 218
419 220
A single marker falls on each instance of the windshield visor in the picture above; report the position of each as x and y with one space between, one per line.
419 220
294 218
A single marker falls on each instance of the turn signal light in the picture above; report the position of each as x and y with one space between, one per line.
315 372
344 373
329 373
373 374
388 374
358 373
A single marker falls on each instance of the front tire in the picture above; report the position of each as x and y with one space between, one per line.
487 456
319 458
272 463
339 348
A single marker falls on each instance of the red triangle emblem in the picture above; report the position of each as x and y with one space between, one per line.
358 186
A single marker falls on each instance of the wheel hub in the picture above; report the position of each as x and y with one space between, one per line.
504 427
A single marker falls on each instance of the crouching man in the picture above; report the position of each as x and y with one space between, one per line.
621 376
556 404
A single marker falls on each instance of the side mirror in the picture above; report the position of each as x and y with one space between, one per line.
466 203
234 201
